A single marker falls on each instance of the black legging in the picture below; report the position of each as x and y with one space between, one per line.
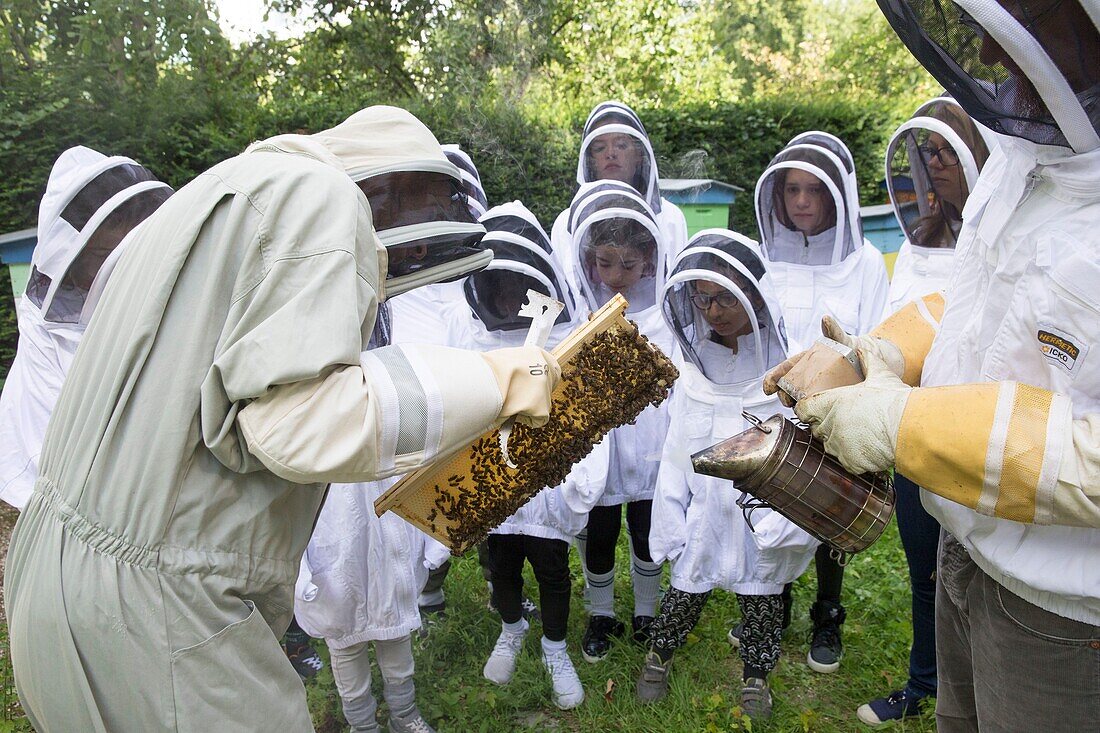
604 523
550 561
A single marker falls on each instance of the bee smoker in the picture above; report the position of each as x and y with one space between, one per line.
784 467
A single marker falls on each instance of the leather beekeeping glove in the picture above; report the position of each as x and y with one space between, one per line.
859 424
526 376
901 341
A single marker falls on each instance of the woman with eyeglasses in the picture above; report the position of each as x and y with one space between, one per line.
721 306
932 164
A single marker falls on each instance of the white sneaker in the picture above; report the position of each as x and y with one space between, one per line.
568 692
502 662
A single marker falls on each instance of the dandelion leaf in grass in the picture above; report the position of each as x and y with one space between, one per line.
610 373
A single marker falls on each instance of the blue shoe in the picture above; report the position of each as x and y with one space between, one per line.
901 704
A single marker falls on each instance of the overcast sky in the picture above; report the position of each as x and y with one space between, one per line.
243 19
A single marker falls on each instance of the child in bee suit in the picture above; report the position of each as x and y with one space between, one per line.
620 249
720 305
542 529
91 204
807 208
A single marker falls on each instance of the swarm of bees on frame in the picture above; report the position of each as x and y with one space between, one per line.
608 383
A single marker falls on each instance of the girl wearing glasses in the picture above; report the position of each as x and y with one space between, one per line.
722 309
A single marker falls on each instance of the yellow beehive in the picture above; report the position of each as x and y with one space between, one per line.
610 373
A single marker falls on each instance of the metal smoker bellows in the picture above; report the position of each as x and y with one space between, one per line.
780 464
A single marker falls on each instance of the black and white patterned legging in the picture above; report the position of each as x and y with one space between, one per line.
762 617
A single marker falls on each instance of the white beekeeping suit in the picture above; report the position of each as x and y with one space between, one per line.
615 146
487 319
932 164
820 262
91 203
222 384
607 211
1003 433
720 291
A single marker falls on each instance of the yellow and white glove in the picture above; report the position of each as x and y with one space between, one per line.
859 424
526 376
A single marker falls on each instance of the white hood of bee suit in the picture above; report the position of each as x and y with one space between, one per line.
782 243
380 140
600 201
471 179
597 125
84 188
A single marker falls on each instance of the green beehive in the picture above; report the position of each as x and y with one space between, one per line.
705 202
15 252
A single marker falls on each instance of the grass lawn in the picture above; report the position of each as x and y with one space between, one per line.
706 673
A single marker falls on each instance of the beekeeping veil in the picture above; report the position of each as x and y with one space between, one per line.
471 180
609 118
91 203
415 193
928 218
735 270
522 261
612 221
1026 68
781 241
836 146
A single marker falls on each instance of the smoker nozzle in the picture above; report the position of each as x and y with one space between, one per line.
737 458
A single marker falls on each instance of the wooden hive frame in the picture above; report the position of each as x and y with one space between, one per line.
417 497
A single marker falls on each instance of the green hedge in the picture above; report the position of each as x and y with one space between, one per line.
518 157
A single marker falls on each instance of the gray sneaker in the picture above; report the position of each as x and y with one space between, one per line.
653 682
756 699
410 722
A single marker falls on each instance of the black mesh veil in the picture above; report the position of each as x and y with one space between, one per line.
1025 68
105 230
932 164
522 261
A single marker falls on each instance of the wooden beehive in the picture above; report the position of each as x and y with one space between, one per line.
610 373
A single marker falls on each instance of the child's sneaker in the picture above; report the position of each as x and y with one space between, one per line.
895 706
826 648
568 692
756 699
305 659
502 662
597 637
411 722
653 682
734 635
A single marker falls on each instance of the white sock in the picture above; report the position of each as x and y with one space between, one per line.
432 598
518 628
647 584
601 593
549 647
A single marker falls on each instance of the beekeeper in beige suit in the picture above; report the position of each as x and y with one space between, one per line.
219 388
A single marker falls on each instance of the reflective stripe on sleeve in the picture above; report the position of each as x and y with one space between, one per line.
986 446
